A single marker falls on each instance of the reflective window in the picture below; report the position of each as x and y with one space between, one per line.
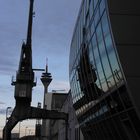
95 3
96 80
87 20
91 8
104 59
98 68
92 28
94 72
91 55
102 6
94 64
97 17
87 5
111 50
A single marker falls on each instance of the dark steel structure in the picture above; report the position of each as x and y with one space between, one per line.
23 88
104 69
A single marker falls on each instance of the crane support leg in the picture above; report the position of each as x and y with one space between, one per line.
22 113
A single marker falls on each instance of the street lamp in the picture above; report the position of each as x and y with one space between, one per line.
19 127
26 129
7 113
29 131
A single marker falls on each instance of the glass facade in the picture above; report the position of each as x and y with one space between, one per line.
97 83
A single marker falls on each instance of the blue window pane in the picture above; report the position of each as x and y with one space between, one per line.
91 9
91 55
97 17
87 5
92 28
78 84
87 20
104 58
98 68
111 51
95 3
105 25
92 62
102 6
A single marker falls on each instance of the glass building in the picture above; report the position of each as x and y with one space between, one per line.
104 69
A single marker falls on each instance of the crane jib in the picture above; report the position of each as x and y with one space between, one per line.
30 22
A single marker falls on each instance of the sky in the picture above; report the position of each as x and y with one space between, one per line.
53 27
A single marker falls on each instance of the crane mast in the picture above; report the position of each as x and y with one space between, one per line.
30 22
25 75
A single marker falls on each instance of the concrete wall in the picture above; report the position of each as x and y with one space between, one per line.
53 101
55 130
125 23
73 122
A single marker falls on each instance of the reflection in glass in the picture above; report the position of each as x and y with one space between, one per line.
95 66
104 59
111 51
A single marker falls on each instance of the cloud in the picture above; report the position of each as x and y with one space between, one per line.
8 57
7 68
2 103
52 32
6 87
2 111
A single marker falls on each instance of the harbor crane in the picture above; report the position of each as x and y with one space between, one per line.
23 88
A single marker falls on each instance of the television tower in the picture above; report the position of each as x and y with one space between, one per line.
46 79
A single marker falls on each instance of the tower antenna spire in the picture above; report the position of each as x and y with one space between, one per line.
46 64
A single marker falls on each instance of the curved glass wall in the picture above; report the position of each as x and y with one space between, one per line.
94 66
98 87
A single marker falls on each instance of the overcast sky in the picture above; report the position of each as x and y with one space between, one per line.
52 33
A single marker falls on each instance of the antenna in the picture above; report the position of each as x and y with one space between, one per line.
47 65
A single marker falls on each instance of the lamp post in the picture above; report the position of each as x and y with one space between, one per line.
19 128
26 129
7 113
29 131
